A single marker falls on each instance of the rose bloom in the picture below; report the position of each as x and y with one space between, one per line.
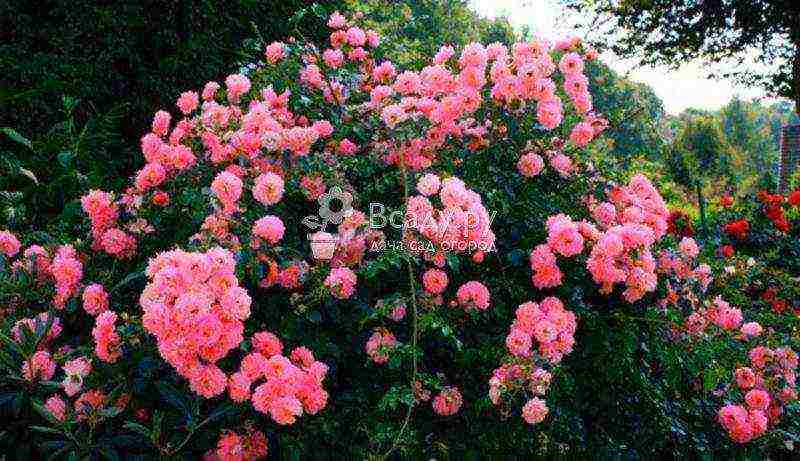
534 411
726 201
428 184
745 377
448 402
530 164
435 281
751 329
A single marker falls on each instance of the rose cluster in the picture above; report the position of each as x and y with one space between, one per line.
196 309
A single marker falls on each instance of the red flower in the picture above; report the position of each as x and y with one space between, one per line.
738 229
776 214
769 199
726 201
794 198
727 251
779 305
161 198
142 414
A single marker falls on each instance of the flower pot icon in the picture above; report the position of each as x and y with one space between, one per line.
323 245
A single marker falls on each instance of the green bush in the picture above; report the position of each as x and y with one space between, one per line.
113 62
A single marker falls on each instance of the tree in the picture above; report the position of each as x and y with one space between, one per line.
743 32
746 124
701 152
634 112
414 31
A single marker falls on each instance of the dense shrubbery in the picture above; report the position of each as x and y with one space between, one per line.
229 303
114 62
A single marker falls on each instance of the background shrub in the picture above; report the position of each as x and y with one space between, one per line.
81 78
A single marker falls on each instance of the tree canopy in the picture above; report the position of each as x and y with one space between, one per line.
761 37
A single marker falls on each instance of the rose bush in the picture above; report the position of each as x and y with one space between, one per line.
433 245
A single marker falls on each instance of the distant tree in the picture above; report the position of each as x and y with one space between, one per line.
701 152
635 114
747 127
417 29
673 32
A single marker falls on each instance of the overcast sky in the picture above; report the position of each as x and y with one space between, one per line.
679 89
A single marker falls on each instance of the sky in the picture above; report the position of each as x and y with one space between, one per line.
686 87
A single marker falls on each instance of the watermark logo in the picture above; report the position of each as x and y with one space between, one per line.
451 229
334 205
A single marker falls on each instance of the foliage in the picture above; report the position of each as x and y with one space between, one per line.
111 62
760 37
414 31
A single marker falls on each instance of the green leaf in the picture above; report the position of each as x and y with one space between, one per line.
174 398
138 428
220 412
15 136
130 278
45 430
109 453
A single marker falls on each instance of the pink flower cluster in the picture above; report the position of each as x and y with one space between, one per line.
232 446
341 282
75 370
103 213
620 241
526 378
552 326
195 308
40 366
530 164
473 295
380 344
193 304
544 265
95 299
268 188
724 316
9 245
767 385
462 225
269 229
57 407
448 93
88 404
107 340
67 271
288 386
553 329
227 187
534 411
434 281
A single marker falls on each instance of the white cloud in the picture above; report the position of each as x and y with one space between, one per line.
680 89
